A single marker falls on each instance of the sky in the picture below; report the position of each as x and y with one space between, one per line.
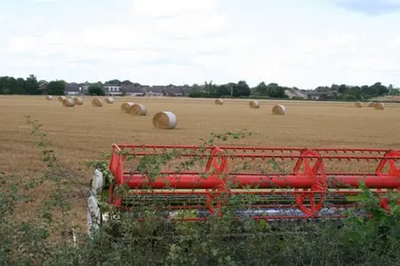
295 43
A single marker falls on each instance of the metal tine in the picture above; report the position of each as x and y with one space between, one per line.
282 156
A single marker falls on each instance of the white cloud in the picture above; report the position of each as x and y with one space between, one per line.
330 42
178 41
45 1
396 42
181 30
376 1
172 8
370 7
32 23
3 19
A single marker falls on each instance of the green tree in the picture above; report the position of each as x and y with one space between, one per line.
342 88
335 87
275 91
322 89
376 89
2 85
56 87
19 86
382 90
224 90
365 89
211 88
242 89
260 89
232 89
10 85
32 85
196 91
394 92
356 92
126 82
114 82
96 90
195 88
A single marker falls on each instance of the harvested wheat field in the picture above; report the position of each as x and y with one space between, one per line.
86 133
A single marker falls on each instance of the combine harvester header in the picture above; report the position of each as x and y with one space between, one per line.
277 183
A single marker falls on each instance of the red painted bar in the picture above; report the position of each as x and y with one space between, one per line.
250 148
275 156
188 181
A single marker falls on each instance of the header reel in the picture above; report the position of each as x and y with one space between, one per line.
195 183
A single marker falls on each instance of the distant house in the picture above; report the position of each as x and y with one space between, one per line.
294 93
177 90
186 90
112 90
85 89
157 90
320 95
73 89
173 91
145 89
42 86
133 90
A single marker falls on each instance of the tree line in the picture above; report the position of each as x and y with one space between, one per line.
274 90
345 92
11 85
240 89
30 86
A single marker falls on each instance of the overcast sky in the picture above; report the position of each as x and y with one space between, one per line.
303 43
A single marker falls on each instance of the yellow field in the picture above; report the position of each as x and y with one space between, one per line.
390 98
84 132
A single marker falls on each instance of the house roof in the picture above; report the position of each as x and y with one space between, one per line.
174 90
186 88
42 85
111 85
156 89
319 93
294 92
131 88
72 87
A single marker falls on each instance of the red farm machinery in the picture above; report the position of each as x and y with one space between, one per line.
195 183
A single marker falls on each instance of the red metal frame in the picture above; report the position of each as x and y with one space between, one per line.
308 180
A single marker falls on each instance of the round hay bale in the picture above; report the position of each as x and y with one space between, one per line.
379 106
126 107
358 104
61 98
68 102
49 97
96 102
279 110
78 101
219 102
109 100
254 104
138 110
371 104
164 120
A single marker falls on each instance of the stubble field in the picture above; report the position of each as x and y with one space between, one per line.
85 133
